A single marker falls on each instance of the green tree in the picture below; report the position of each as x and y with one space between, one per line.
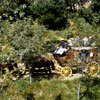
97 36
90 88
14 9
96 11
92 13
49 13
83 27
71 4
25 36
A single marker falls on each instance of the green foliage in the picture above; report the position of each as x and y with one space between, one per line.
87 14
7 6
6 51
54 89
13 9
70 4
7 54
41 90
92 13
96 11
25 36
1 24
22 84
90 88
97 37
79 26
83 28
49 13
51 45
96 6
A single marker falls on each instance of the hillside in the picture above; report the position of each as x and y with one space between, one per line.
30 30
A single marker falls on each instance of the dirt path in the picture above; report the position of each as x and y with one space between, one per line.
74 76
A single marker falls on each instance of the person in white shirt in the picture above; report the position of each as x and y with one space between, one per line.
85 41
70 42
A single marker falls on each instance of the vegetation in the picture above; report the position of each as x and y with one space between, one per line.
33 28
54 89
89 88
45 89
24 37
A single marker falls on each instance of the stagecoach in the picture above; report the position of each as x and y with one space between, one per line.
78 59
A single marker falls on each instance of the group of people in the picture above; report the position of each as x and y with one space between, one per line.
85 41
65 45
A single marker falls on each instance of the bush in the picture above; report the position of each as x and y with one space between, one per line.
41 90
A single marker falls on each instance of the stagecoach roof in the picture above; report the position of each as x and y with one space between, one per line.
83 48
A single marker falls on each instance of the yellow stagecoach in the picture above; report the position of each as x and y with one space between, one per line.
78 59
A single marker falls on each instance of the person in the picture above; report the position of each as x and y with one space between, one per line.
66 45
70 42
70 39
77 40
91 37
62 43
62 47
85 41
83 57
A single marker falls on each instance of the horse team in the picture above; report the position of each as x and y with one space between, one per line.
39 63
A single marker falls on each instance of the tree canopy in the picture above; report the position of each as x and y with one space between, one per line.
23 22
25 37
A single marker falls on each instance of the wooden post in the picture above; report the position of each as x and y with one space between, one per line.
78 91
30 71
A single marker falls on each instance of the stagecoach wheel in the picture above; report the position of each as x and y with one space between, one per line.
66 72
92 68
58 68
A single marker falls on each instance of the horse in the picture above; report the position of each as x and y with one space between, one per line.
9 65
38 63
